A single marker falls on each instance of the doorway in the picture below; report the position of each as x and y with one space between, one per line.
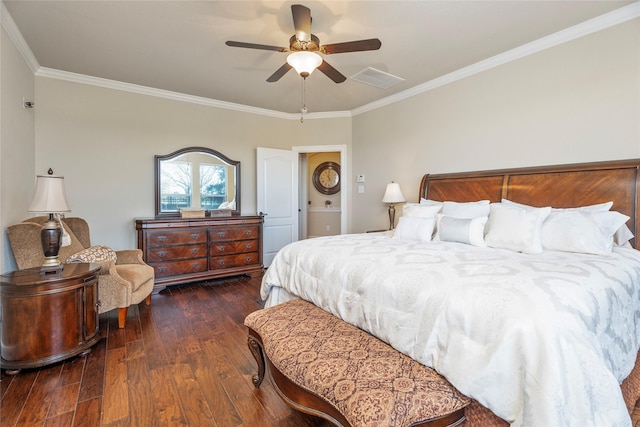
282 188
321 214
323 202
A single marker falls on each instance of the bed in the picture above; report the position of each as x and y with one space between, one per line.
536 334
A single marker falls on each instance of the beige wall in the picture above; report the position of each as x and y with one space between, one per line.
17 143
576 102
104 141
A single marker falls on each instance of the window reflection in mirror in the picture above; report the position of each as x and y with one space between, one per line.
196 178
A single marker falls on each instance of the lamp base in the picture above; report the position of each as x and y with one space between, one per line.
51 238
392 216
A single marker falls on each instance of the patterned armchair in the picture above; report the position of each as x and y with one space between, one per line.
121 283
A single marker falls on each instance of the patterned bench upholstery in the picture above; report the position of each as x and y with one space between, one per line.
321 365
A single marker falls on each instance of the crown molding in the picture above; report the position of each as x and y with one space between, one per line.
591 26
599 23
177 96
15 35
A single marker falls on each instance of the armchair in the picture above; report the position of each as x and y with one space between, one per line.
121 283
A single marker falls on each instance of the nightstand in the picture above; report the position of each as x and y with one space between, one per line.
47 318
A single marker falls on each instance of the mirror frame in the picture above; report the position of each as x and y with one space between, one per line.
203 150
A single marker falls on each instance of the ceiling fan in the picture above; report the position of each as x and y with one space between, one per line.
305 48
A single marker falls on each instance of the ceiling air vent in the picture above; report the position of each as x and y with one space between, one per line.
377 78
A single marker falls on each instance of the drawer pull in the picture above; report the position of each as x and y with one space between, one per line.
162 238
248 259
221 248
194 236
162 269
248 232
162 254
195 250
248 245
195 266
222 233
221 262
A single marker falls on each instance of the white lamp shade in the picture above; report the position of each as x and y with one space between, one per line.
304 62
393 193
50 196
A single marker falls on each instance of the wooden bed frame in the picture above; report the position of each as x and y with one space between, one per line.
560 186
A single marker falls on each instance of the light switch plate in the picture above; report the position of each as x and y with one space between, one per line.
360 189
360 178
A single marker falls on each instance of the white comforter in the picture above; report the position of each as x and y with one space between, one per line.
541 340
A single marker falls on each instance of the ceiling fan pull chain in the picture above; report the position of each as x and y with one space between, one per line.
304 102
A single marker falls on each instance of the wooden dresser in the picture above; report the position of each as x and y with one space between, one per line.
183 250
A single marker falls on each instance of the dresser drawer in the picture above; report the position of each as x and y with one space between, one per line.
176 237
221 234
171 253
227 248
163 269
237 260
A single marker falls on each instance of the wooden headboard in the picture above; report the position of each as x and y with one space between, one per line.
559 186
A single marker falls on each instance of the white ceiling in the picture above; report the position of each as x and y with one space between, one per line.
180 46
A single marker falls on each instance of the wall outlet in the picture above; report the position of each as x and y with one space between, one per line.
360 189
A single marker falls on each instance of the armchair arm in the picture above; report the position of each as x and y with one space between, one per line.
129 256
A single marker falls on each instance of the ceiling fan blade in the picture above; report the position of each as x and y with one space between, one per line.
354 46
279 73
256 46
301 22
331 72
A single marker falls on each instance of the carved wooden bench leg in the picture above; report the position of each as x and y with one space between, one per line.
255 345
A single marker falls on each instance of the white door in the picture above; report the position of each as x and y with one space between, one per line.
277 191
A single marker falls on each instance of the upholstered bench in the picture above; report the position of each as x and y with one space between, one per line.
324 366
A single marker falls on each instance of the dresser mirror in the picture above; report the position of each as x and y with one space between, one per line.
195 178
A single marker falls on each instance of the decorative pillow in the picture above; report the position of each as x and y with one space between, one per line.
415 228
417 210
581 231
466 210
94 254
516 228
461 230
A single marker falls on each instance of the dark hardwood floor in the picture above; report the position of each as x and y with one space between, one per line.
181 361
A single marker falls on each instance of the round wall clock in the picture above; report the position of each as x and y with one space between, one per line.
326 178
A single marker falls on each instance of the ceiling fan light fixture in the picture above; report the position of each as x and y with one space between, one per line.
304 62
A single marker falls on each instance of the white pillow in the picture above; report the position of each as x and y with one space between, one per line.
461 230
622 237
417 210
466 210
600 207
581 231
516 228
430 202
415 228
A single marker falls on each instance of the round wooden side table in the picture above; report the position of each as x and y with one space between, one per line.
47 318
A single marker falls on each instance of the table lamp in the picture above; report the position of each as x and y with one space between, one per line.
50 198
393 194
